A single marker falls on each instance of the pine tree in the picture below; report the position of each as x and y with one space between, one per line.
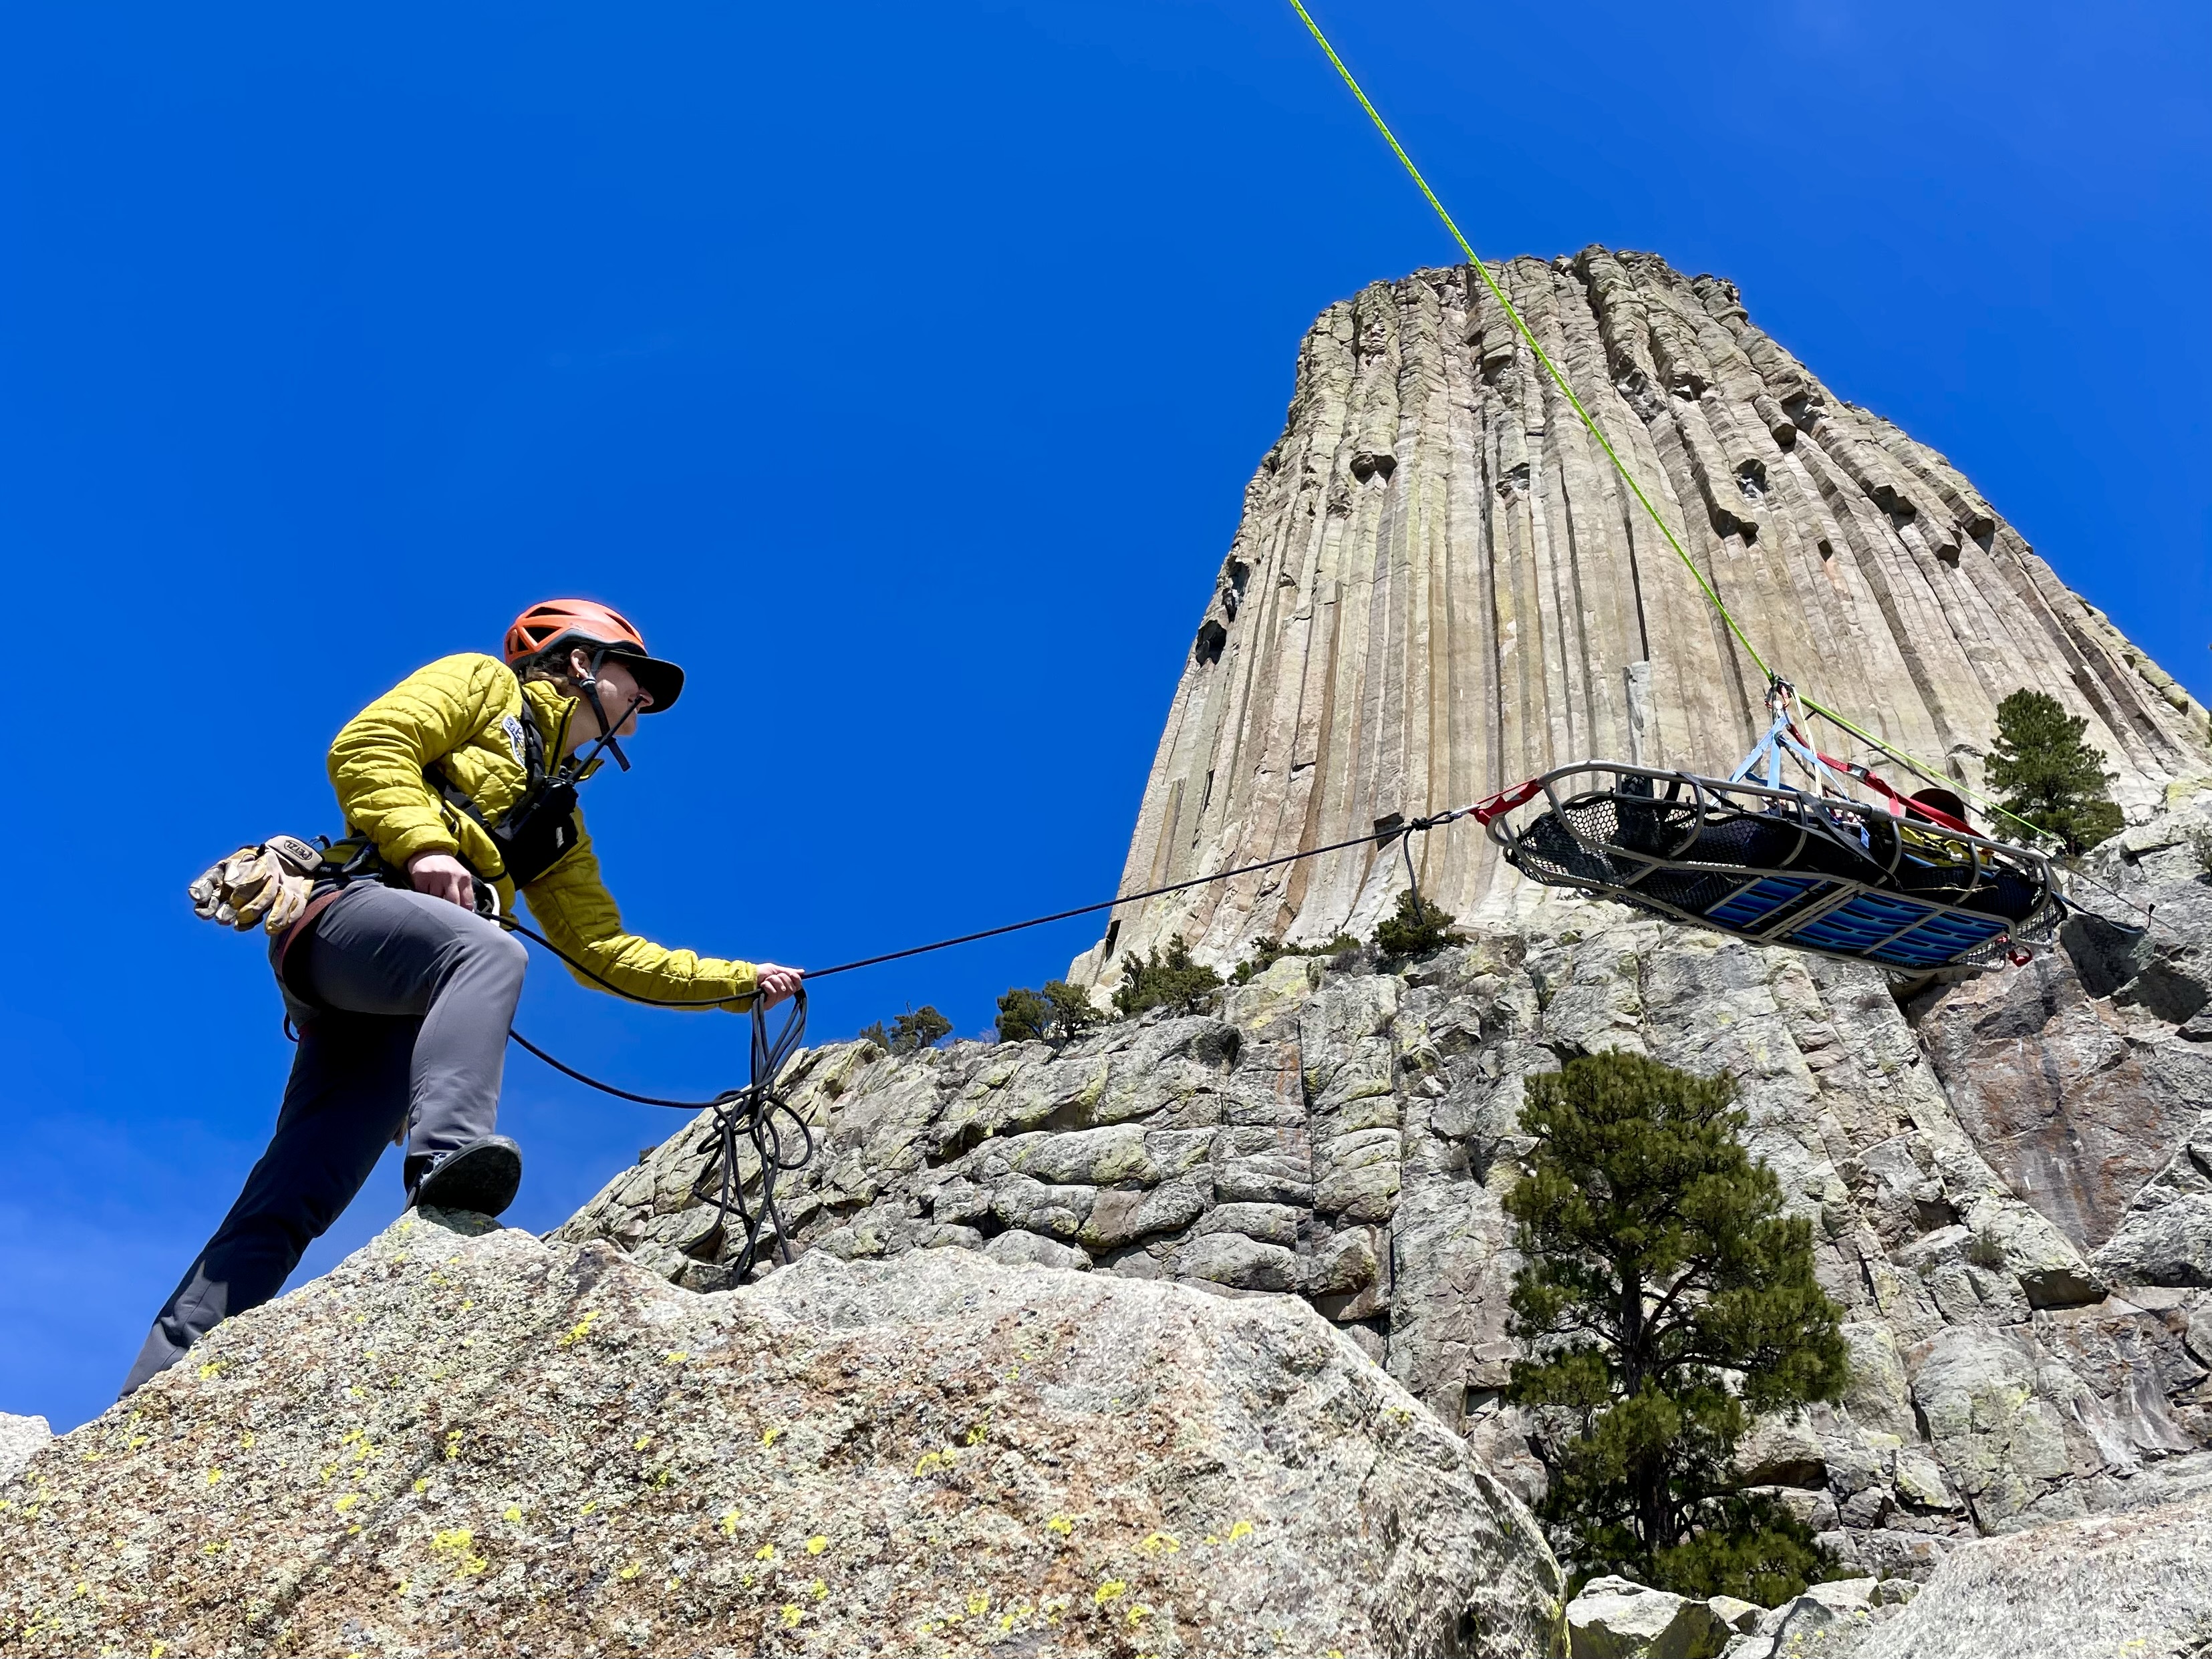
1666 1299
1060 1011
1024 1015
915 1030
2050 777
1169 980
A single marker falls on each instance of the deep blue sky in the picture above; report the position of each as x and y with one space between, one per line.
900 368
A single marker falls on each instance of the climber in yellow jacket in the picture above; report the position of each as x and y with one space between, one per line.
457 785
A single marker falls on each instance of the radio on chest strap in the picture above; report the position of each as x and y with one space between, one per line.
540 829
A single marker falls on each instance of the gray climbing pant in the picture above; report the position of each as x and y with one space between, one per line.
403 1004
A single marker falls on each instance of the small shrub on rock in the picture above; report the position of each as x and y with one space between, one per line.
1268 951
1057 1013
1169 980
1414 928
911 1032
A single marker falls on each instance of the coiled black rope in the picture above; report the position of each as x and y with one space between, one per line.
760 1113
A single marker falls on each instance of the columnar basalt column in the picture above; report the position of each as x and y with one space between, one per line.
1440 588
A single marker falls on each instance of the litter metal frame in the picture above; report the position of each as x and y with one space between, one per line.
1860 917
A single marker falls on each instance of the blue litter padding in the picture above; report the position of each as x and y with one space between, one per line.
1749 906
1925 935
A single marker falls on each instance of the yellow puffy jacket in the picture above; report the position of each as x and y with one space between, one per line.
465 712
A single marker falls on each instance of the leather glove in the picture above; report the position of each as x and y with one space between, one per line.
254 885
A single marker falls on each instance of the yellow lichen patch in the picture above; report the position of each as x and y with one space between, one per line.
138 1440
213 1476
453 1444
730 1519
661 1476
765 1553
817 1544
793 1613
1061 1524
158 1650
421 1487
213 1368
932 1460
978 1604
589 1507
641 1443
1242 1529
245 1441
676 1357
769 1437
1111 1591
460 1542
1138 1615
629 1572
977 1431
1160 1543
347 1502
580 1330
512 1513
817 1589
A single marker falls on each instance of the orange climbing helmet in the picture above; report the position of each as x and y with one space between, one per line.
587 622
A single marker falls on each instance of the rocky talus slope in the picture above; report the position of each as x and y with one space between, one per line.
469 1441
1439 588
2010 1180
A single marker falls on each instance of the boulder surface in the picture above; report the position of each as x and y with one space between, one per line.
2131 1586
471 1440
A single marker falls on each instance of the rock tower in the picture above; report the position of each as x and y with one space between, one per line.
1440 588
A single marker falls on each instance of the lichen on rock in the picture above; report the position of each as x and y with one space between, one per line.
465 1439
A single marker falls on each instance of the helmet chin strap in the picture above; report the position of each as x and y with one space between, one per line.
590 685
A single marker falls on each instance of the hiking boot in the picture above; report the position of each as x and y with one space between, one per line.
482 1176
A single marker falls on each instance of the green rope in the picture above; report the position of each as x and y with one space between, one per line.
1542 357
1922 766
1618 466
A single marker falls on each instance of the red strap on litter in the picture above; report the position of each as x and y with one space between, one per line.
1505 800
1898 804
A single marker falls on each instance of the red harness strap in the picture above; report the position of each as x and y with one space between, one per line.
1898 804
1505 800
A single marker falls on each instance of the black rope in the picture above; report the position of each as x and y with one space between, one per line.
759 1110
1372 835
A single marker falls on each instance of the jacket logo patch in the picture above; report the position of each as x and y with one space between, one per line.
513 728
